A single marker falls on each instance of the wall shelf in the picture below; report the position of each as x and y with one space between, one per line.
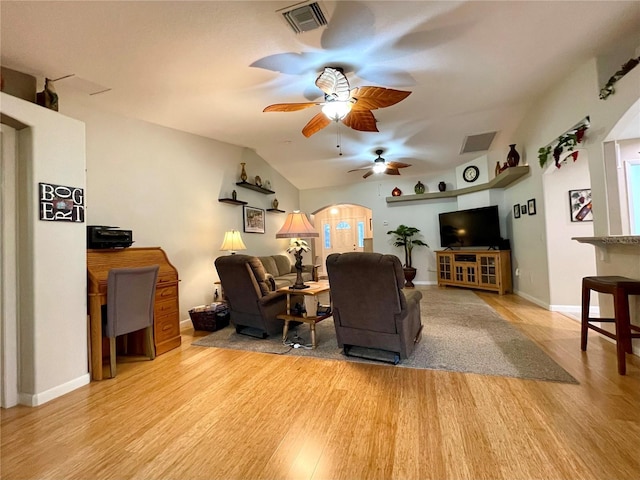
231 201
274 210
507 177
255 188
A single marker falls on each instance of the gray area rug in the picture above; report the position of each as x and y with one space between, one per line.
461 334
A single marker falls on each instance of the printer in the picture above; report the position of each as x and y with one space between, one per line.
101 236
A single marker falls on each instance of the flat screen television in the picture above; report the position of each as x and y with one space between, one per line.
476 227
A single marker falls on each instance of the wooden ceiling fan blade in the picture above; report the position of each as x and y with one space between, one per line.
317 123
392 171
290 107
372 98
398 165
361 120
368 174
334 83
368 167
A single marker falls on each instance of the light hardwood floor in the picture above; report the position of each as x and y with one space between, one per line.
204 413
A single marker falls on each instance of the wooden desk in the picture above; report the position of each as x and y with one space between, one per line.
166 331
315 288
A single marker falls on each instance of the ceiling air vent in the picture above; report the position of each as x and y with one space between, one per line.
304 17
477 143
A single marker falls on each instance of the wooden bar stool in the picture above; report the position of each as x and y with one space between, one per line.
620 288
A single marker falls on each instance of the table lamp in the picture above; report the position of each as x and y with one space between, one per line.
232 242
297 226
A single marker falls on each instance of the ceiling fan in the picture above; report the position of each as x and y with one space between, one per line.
380 165
352 107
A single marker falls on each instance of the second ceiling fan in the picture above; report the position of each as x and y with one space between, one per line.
351 107
380 165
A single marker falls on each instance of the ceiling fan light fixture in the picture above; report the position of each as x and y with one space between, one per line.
336 110
379 165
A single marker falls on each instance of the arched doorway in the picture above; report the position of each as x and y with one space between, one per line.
343 228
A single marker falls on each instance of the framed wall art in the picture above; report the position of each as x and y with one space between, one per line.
580 205
531 205
253 220
523 209
59 203
516 211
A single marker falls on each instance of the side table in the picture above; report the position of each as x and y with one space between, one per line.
315 289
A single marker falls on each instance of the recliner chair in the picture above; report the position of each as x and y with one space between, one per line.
253 306
370 307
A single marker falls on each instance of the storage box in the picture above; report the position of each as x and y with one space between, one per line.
210 317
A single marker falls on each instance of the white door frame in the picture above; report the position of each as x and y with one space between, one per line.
8 269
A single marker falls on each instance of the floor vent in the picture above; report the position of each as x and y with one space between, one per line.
304 17
477 143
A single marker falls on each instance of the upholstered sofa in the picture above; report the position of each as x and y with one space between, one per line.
282 273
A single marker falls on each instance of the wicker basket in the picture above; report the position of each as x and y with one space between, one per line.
210 318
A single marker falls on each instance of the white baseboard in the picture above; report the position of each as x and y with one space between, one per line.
33 400
540 303
574 311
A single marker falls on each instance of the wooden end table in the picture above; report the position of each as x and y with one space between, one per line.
315 289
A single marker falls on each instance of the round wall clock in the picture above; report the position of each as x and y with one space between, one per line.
470 173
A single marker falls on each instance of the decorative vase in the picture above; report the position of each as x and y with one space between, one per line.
234 195
442 186
275 203
409 275
396 192
513 157
258 181
419 188
243 173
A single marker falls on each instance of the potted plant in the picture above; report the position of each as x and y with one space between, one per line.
404 238
296 247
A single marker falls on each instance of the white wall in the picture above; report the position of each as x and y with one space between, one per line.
8 268
563 252
422 214
52 322
164 185
566 103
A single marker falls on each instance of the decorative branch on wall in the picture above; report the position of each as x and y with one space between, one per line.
626 68
569 140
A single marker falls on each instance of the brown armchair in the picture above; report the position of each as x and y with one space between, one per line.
370 307
253 306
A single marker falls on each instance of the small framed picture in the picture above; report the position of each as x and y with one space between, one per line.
516 211
580 205
523 209
253 220
531 204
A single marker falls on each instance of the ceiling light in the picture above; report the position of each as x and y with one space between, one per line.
336 110
379 165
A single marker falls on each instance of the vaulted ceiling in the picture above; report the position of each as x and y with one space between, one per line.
211 67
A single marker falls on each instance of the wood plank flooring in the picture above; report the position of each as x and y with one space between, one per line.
204 413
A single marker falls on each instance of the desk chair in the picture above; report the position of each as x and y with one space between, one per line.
130 298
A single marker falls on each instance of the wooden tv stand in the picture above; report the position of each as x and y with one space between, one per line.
483 269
